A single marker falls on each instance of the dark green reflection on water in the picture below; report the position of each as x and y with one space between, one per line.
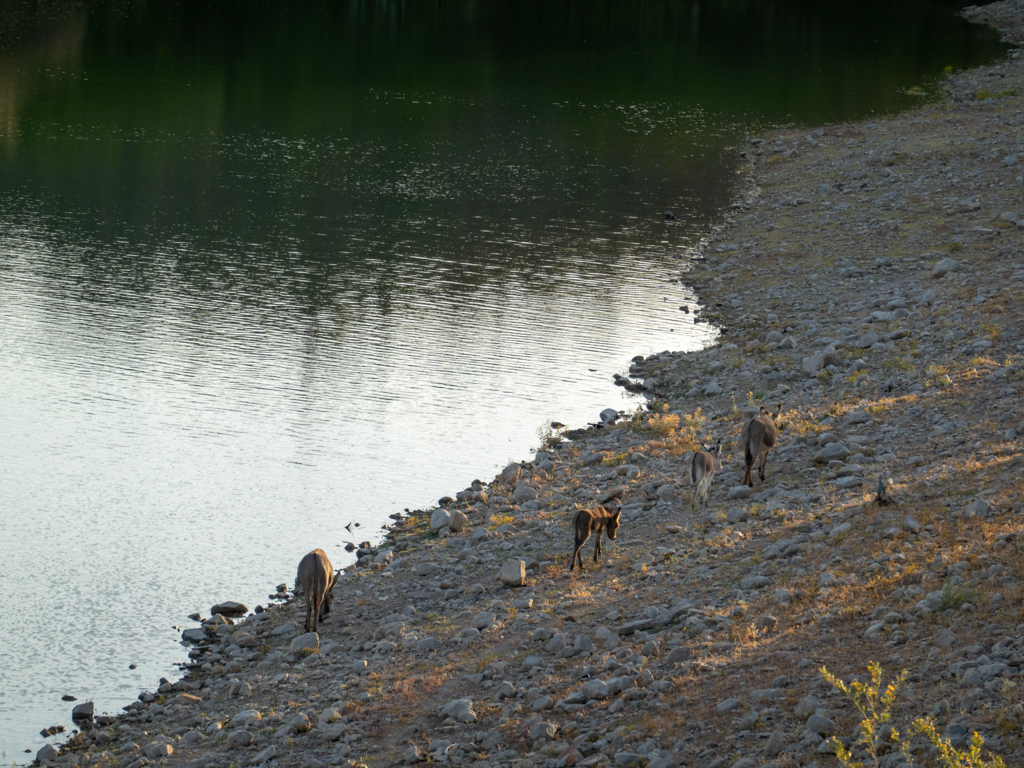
321 134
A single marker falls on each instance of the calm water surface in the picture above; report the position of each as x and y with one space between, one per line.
267 268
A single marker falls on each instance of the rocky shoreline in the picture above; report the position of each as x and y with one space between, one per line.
869 282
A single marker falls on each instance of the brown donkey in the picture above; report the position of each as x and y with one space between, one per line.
702 471
758 437
592 521
316 579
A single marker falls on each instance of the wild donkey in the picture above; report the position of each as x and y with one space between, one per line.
758 437
592 521
702 472
316 579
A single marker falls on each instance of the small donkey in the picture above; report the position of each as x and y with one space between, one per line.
592 521
316 579
758 438
702 472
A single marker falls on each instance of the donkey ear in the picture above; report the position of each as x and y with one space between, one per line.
618 513
705 447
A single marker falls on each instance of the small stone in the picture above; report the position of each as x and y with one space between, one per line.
623 759
459 709
158 750
239 738
333 731
867 340
483 620
678 655
944 267
739 492
978 508
439 519
428 644
783 597
859 416
194 635
543 730
595 689
1010 160
309 640
513 573
458 521
523 493
728 706
415 755
807 706
755 582
832 452
264 756
510 475
83 711
820 725
426 569
776 744
944 639
47 753
766 622
609 416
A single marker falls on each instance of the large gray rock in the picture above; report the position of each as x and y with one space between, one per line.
728 706
831 452
859 416
483 620
333 731
230 608
820 725
755 582
543 730
194 635
239 738
309 640
439 519
739 492
459 709
426 569
510 475
264 756
156 749
513 573
523 493
776 743
609 416
944 267
46 754
737 514
867 340
458 522
814 363
83 711
978 508
595 689
246 717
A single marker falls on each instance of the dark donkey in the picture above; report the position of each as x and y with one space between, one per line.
316 580
758 437
589 521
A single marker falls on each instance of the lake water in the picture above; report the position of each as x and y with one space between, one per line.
267 269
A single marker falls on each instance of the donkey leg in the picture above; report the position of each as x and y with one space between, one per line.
576 555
